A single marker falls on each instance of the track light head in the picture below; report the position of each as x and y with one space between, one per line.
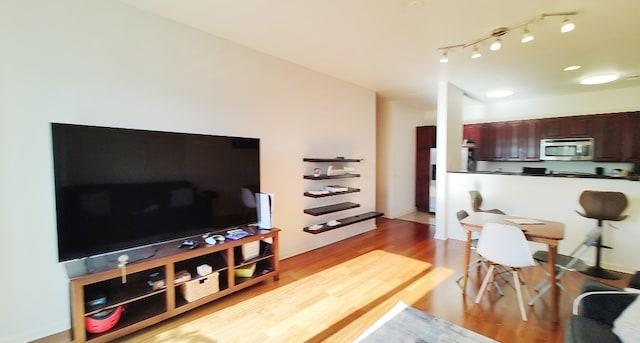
475 53
526 36
567 25
495 46
444 58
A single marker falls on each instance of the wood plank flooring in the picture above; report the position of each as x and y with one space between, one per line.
334 293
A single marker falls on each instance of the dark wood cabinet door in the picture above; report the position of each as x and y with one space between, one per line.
496 136
513 133
577 126
530 141
566 127
631 137
607 141
425 140
552 128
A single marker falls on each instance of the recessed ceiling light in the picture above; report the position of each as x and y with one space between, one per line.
499 93
570 68
599 79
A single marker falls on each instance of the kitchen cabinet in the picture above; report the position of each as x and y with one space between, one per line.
567 127
631 137
607 141
497 134
616 136
505 141
530 140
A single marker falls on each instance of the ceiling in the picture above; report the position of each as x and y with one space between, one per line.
391 46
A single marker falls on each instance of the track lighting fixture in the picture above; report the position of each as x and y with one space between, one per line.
567 25
527 37
444 58
495 46
475 53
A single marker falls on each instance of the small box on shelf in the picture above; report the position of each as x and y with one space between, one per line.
200 287
246 271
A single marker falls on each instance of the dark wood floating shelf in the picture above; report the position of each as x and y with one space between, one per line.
318 211
332 159
330 194
346 221
327 177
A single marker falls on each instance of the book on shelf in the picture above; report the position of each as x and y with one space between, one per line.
336 188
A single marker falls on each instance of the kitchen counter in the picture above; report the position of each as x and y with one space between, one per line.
558 174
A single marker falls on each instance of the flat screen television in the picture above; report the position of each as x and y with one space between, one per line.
121 188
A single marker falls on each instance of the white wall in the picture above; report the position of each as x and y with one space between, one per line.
593 102
104 63
396 136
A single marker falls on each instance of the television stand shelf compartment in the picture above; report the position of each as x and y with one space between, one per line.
341 190
144 306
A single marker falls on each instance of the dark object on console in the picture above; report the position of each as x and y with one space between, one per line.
602 206
597 312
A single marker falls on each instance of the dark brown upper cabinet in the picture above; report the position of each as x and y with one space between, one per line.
566 127
631 137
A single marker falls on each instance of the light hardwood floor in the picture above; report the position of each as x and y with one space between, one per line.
334 293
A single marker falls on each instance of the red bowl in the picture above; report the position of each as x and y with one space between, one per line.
103 320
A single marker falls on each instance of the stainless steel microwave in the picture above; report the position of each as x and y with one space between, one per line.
566 149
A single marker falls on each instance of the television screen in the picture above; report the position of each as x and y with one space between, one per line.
123 188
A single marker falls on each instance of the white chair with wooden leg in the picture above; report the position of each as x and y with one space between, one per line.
479 263
504 245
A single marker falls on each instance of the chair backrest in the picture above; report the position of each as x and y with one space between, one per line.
505 244
603 205
462 214
476 200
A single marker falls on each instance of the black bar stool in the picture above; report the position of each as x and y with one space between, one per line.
602 206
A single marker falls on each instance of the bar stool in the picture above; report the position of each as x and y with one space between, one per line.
476 202
602 206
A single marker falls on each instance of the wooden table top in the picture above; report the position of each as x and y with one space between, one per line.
545 231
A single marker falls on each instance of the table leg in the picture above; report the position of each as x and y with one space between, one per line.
467 255
555 295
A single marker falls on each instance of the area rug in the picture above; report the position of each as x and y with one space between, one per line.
404 323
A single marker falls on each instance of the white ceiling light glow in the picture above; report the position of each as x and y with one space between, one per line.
567 25
499 93
495 46
475 53
571 68
444 58
527 36
599 79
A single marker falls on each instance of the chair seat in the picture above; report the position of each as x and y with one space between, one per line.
562 261
582 329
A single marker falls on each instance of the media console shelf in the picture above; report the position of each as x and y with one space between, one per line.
322 210
145 306
345 221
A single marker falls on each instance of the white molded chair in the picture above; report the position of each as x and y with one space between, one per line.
507 246
479 263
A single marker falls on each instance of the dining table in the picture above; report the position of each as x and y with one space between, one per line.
535 230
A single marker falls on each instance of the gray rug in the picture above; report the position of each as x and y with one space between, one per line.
406 324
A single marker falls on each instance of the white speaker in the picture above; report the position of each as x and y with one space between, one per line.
264 202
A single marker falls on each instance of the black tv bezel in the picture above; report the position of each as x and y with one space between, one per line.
238 142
